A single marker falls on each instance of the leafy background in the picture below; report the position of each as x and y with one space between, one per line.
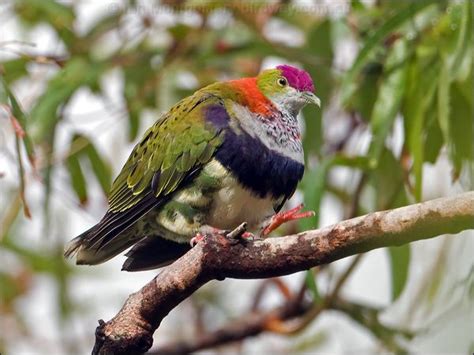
81 81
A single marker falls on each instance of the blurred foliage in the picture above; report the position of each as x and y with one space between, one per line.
414 65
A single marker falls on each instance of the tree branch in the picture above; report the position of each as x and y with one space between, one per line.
131 330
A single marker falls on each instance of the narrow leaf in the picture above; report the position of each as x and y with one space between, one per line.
388 100
461 122
101 169
443 99
319 44
14 69
312 286
78 180
423 83
6 99
80 147
78 72
314 183
20 117
60 16
388 182
434 137
359 162
464 38
399 263
404 15
21 173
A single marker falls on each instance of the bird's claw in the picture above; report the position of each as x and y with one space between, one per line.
235 236
198 237
287 216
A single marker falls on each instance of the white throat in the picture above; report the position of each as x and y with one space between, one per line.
280 133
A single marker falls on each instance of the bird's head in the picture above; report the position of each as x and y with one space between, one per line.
288 88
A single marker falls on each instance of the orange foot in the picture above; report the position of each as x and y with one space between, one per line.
283 217
199 236
247 235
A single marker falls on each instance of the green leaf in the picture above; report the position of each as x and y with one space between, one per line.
443 93
134 109
349 84
58 15
399 264
309 342
10 289
389 99
423 82
14 69
4 99
359 162
55 13
104 25
101 170
21 174
19 114
357 5
416 144
464 37
82 147
314 183
363 100
139 90
388 182
47 173
319 44
310 281
313 137
17 117
39 261
461 134
434 137
77 178
77 72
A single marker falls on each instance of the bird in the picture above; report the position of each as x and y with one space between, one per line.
230 153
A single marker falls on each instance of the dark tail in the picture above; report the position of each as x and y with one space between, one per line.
153 252
110 236
89 254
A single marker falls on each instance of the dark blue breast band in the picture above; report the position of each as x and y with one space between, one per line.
258 168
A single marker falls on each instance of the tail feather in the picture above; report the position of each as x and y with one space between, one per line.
109 237
153 252
115 233
86 255
73 247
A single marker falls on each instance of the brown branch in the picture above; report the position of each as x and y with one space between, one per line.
131 330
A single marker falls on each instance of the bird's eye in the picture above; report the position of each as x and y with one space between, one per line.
282 82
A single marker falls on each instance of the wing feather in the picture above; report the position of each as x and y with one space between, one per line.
170 154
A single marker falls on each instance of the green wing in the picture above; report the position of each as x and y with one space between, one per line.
171 153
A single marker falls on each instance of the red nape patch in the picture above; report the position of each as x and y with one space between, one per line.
252 96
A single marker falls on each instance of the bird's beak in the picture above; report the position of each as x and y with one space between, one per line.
311 98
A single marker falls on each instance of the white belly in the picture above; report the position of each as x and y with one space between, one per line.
233 204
